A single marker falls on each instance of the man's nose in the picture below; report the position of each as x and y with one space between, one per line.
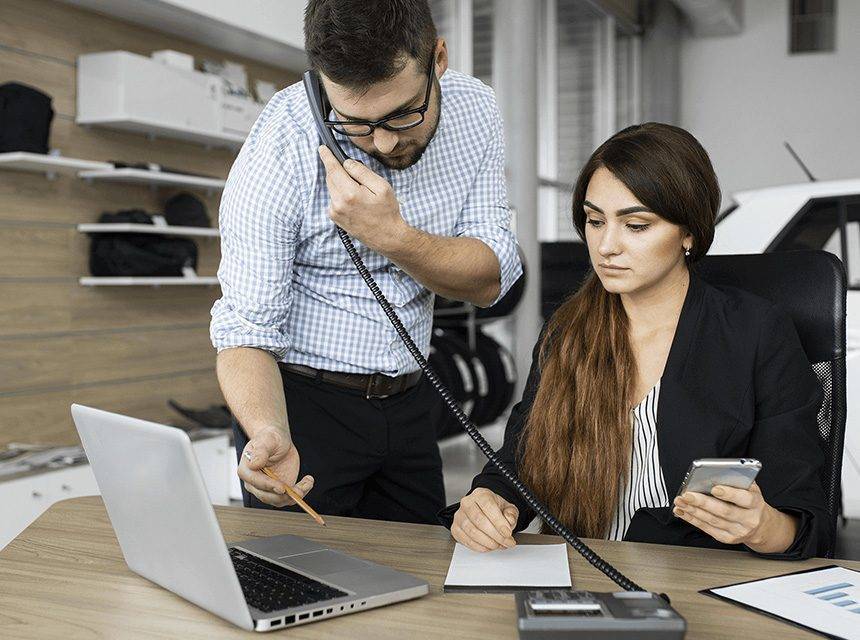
383 140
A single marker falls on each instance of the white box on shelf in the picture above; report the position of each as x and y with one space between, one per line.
130 92
175 59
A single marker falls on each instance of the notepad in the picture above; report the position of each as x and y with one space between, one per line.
826 600
526 566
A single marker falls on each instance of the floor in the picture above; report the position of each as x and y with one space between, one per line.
462 460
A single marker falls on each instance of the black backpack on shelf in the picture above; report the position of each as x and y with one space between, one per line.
186 210
25 118
139 254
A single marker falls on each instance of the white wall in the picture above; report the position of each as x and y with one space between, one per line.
743 95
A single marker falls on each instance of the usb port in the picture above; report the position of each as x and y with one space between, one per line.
318 613
304 616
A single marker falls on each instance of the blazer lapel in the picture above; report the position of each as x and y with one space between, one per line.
675 436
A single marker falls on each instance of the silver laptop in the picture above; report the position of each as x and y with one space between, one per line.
166 527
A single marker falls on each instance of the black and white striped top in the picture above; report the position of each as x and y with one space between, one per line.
645 486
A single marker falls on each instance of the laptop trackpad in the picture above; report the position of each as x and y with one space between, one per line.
323 563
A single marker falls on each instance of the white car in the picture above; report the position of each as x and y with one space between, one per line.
812 215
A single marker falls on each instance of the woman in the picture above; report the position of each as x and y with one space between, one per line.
647 368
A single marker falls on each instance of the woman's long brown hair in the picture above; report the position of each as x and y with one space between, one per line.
575 447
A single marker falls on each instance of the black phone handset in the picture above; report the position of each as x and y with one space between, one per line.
314 94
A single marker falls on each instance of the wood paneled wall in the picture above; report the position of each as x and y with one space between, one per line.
125 349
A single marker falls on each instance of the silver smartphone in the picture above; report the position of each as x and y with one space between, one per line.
706 473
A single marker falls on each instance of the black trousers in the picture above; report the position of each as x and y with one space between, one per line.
370 458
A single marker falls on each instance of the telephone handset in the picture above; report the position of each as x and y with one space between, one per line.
313 89
314 93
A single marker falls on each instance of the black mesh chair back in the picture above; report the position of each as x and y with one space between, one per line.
811 287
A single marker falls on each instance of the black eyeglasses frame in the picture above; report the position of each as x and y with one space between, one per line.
371 124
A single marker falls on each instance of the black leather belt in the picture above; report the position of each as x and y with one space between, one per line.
374 385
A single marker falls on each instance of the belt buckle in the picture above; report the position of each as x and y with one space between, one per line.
368 394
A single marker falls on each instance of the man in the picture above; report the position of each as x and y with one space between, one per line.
307 360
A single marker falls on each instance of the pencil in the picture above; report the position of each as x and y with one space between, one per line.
289 490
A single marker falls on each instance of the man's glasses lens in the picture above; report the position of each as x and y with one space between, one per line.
405 122
353 129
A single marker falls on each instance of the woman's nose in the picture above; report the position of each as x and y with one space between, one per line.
609 241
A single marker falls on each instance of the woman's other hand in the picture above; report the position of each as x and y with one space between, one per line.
485 521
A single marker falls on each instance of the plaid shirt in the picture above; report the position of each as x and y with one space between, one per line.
288 285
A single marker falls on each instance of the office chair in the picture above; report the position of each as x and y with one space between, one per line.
811 287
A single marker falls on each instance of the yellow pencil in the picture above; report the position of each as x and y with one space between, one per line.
289 491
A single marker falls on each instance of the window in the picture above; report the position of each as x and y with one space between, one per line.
574 104
467 26
627 73
482 40
589 89
442 18
830 225
812 25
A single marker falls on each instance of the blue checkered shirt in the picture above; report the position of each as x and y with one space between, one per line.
287 283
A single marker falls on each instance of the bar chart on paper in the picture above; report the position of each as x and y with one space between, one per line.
841 594
825 600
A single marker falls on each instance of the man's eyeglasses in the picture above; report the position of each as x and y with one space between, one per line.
395 122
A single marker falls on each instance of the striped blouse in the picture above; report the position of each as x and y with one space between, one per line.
645 486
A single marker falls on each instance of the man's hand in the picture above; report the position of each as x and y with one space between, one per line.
363 203
271 447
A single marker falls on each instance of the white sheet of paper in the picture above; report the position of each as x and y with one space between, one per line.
826 600
526 565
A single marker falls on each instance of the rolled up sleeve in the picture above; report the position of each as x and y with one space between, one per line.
259 218
486 214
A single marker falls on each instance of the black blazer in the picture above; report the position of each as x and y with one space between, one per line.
736 384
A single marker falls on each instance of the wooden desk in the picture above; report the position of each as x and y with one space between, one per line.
64 577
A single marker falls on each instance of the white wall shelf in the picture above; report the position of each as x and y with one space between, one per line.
50 165
154 178
266 30
155 130
123 227
132 281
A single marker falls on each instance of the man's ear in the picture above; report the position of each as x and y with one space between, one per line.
441 54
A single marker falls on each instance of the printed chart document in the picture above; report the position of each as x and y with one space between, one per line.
826 600
532 566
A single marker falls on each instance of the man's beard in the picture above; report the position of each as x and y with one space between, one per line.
411 158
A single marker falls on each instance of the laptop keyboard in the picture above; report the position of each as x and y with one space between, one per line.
270 587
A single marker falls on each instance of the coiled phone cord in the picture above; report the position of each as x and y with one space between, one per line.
584 550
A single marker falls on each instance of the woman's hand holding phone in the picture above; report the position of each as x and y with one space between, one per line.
738 516
485 521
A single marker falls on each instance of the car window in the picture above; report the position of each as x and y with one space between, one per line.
819 228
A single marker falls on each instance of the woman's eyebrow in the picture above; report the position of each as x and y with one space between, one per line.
621 212
626 211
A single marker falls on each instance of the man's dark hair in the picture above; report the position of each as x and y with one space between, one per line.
356 43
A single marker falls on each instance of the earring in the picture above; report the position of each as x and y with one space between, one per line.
687 253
